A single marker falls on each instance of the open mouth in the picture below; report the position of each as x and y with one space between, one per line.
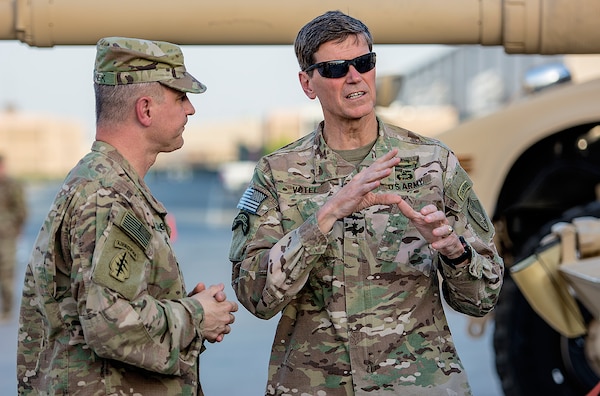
355 95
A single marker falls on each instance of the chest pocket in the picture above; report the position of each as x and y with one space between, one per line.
297 214
306 201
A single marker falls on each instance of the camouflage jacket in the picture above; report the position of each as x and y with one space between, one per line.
104 308
13 208
361 307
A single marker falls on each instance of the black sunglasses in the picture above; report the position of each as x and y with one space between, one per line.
339 68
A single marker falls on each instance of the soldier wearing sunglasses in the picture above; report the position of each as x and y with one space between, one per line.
345 231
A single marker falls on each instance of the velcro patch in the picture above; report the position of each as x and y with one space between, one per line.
464 189
461 187
477 213
251 200
405 170
241 220
135 229
119 267
121 264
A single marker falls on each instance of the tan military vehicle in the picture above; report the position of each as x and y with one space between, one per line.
536 166
534 163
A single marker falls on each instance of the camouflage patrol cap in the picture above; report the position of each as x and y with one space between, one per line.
123 60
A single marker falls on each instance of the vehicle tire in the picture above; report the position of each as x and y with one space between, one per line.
531 357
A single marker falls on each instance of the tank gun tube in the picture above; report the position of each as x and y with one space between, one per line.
521 26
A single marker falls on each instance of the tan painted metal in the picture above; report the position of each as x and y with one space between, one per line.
492 144
521 26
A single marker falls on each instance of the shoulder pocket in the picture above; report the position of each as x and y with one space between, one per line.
480 218
254 203
121 254
459 190
460 197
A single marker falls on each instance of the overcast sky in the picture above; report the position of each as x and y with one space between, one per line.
242 81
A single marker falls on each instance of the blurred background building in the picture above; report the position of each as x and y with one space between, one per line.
462 82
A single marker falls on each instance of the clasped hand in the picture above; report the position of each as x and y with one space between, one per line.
218 314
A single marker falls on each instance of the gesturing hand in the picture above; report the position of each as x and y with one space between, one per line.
433 225
358 193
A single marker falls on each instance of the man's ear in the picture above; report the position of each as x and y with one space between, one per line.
142 110
306 83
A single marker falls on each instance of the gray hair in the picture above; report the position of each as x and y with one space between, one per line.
331 26
115 102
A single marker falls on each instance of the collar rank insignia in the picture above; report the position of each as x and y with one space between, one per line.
405 170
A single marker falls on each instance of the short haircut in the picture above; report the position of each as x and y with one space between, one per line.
331 26
114 102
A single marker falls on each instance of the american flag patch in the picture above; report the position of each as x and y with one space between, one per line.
251 200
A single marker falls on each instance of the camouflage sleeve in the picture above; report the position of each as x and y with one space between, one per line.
31 328
20 206
474 289
121 319
270 266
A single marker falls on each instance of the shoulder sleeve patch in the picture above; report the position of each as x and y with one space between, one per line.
478 215
463 190
460 187
241 220
133 227
251 200
121 264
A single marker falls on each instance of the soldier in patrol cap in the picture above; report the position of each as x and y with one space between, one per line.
13 213
345 231
104 309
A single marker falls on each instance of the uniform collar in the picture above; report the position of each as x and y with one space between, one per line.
122 166
329 165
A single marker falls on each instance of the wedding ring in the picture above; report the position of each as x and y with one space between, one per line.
450 230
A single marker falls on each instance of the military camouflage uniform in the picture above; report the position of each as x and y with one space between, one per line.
104 309
361 306
13 213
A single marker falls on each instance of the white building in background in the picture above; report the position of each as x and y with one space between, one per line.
429 98
40 146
